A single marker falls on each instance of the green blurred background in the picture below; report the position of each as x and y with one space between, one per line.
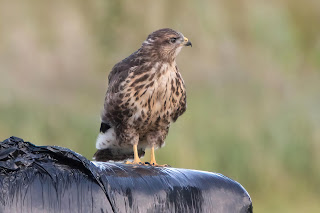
252 76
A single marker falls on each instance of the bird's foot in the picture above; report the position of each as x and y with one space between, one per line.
163 165
136 159
134 162
155 164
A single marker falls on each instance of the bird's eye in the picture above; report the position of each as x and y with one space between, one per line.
173 40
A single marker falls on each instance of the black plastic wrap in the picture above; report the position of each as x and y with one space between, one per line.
55 179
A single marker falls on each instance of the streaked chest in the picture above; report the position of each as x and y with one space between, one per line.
156 98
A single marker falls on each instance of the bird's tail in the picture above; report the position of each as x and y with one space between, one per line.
116 154
106 146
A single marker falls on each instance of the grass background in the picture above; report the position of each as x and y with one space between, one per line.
252 76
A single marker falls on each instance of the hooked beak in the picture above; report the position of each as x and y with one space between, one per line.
186 42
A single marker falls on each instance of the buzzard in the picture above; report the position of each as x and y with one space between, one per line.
146 93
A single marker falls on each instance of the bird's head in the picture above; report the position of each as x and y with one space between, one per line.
165 43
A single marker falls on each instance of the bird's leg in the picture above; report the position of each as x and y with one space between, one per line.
153 157
136 159
155 139
134 140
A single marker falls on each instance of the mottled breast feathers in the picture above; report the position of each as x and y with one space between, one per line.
146 91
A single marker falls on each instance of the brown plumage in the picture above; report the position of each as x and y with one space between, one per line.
145 94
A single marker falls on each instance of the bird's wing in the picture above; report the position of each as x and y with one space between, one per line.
183 97
118 74
120 71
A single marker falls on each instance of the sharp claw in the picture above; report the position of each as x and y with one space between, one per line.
134 163
164 165
147 164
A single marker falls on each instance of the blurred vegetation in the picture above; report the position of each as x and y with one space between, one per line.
252 76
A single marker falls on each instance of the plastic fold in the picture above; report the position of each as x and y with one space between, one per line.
55 179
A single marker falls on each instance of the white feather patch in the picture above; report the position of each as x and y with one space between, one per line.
178 50
106 139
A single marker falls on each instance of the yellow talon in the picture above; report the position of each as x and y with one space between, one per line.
153 159
136 159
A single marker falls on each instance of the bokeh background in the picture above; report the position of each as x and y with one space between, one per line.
252 76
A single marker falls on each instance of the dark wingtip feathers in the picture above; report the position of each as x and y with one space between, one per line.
104 127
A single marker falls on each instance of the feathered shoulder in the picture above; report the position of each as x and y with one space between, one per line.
121 70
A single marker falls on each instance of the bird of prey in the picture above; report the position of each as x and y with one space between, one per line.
146 93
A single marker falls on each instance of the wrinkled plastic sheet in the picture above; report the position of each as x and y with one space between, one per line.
55 179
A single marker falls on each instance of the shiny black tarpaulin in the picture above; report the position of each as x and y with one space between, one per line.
55 179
